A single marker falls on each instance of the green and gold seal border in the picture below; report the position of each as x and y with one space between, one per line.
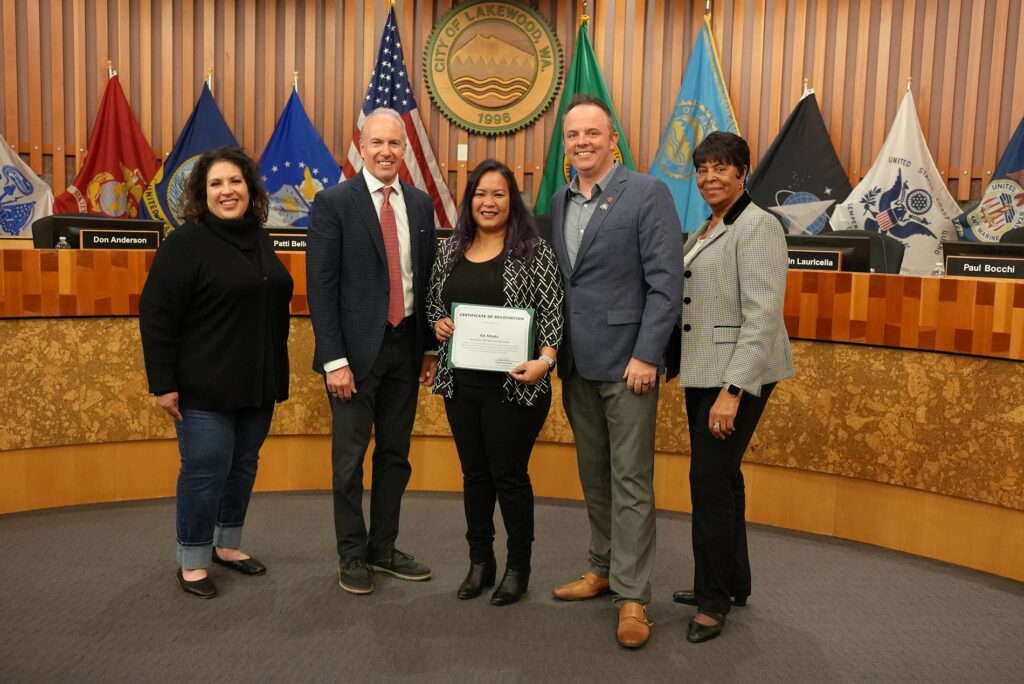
515 93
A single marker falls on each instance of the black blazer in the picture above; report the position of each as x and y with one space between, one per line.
347 273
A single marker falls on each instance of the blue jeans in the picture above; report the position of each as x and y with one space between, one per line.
220 451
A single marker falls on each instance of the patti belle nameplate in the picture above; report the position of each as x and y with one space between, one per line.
490 338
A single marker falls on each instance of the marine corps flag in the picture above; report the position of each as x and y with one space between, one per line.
296 165
903 196
118 165
1001 208
24 196
584 77
204 130
702 106
800 179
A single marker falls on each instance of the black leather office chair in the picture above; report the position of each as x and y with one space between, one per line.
886 252
1013 236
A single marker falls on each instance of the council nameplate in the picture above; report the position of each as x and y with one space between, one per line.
815 260
104 238
490 338
985 267
288 240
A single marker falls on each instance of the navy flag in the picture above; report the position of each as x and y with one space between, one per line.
296 165
204 130
1001 208
800 179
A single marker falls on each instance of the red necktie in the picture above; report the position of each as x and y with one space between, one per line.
389 227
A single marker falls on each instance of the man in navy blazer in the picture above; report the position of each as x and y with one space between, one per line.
620 249
370 250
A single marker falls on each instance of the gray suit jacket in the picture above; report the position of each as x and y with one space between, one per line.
347 273
733 328
623 295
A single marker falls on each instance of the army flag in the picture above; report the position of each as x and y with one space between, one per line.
1001 208
204 130
390 87
903 196
118 164
24 196
702 106
800 179
295 166
584 76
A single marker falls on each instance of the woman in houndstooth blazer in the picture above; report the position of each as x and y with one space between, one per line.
734 349
495 257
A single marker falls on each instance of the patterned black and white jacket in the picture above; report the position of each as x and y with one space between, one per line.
534 284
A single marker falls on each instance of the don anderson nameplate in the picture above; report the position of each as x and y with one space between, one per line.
490 338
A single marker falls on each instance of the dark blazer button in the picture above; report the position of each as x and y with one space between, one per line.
686 274
686 300
686 328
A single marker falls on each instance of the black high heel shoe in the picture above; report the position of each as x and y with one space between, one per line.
513 585
480 575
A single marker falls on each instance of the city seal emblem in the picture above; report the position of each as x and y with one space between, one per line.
493 67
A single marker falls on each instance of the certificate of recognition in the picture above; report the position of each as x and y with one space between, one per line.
490 338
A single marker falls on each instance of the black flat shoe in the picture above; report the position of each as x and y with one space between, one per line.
512 587
687 597
203 588
698 633
480 575
247 566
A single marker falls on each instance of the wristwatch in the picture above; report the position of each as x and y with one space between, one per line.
548 360
734 390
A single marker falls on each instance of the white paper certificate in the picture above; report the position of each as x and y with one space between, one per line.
490 338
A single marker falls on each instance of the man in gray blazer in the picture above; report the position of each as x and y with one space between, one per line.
370 250
620 249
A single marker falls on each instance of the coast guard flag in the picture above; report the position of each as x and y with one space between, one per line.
204 130
24 197
702 106
295 166
584 77
118 165
1001 208
800 179
390 87
904 196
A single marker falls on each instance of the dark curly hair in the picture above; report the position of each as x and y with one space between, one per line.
193 198
521 236
725 148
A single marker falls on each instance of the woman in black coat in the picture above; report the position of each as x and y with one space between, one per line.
214 317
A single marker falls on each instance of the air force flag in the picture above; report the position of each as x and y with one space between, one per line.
295 166
702 107
204 130
24 197
903 196
1001 208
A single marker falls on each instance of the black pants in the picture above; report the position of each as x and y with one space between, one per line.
494 439
385 400
720 559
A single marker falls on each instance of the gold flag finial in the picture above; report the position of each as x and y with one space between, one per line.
295 80
209 79
707 8
110 69
909 81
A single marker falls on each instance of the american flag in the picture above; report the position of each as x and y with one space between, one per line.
390 87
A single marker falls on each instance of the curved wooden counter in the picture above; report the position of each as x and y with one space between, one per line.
889 444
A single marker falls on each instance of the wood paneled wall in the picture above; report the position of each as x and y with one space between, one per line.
961 54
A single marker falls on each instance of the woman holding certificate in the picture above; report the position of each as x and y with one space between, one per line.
499 281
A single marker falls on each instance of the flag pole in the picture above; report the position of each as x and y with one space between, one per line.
584 17
110 70
295 81
707 8
806 89
909 80
209 79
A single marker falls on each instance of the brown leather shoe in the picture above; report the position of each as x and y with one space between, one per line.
589 585
634 627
